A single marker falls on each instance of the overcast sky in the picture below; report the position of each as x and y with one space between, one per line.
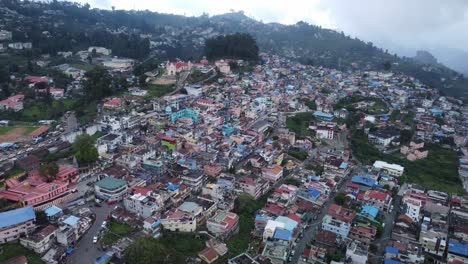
399 25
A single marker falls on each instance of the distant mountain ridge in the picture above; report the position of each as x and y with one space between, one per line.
174 36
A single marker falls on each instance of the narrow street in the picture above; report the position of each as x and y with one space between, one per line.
309 233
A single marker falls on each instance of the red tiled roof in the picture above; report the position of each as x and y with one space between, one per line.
340 213
36 79
351 184
208 254
141 190
377 195
114 102
273 208
294 217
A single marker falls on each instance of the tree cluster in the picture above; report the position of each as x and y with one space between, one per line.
85 151
49 171
238 46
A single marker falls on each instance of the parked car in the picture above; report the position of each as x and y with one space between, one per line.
95 239
104 224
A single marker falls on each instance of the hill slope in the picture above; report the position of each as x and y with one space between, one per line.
128 33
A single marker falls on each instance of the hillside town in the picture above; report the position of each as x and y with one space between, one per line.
275 162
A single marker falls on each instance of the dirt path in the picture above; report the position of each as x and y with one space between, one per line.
14 135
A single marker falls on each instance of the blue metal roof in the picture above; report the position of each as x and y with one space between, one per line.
71 220
314 192
17 216
391 261
370 210
314 178
363 180
343 165
289 224
260 218
172 187
283 234
458 248
391 250
53 210
102 259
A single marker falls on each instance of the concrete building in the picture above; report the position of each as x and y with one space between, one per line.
142 205
223 224
254 187
41 240
110 189
112 141
338 220
194 178
16 223
357 253
391 169
272 173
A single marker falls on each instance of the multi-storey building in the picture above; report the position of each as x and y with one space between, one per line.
111 189
41 240
16 223
142 205
223 224
338 220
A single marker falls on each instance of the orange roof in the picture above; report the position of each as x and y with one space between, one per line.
41 130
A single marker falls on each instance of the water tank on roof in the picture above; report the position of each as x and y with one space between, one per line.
185 172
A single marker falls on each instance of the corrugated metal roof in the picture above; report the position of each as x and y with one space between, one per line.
16 216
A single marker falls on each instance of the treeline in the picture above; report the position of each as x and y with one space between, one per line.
74 27
238 46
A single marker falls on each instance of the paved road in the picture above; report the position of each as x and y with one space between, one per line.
316 224
85 251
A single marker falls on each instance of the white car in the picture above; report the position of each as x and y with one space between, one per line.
95 239
104 224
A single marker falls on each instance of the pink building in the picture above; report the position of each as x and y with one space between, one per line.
272 173
223 224
34 191
14 103
54 92
113 103
213 170
16 223
66 173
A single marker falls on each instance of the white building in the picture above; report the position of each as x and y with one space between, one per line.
412 208
391 169
40 241
142 205
110 189
324 132
5 35
357 253
100 50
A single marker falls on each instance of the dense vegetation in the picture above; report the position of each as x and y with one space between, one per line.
119 30
85 151
238 46
169 249
82 28
437 171
300 124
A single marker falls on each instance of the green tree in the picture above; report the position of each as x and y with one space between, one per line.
85 151
406 136
97 84
340 199
41 218
49 171
147 250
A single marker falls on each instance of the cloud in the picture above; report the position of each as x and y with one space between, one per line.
399 25
411 24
